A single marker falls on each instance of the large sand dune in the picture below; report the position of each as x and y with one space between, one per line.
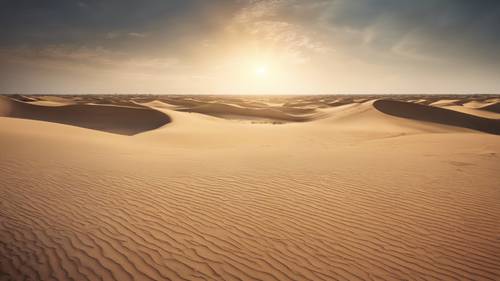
360 190
438 115
111 118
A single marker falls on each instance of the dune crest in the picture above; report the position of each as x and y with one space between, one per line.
233 111
113 119
495 107
437 115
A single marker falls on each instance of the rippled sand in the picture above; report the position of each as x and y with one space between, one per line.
249 188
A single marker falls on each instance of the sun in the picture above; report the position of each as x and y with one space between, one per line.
262 71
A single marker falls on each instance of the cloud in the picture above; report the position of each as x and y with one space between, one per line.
67 57
116 35
264 21
424 29
446 28
137 34
33 22
388 42
81 4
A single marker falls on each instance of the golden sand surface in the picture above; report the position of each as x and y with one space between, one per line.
249 188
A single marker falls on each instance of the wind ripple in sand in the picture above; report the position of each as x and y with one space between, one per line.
299 202
241 227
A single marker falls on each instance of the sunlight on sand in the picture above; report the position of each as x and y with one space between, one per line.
257 188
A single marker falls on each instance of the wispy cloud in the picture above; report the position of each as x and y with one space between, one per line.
363 40
263 20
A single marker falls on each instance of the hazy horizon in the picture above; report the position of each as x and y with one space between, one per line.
244 47
251 95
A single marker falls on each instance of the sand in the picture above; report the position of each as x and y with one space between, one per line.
249 188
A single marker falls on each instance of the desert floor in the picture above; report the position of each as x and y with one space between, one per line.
249 188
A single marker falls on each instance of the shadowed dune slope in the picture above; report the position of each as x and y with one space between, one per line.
112 119
437 115
492 107
227 111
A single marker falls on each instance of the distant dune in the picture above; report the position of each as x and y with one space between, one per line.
495 107
235 111
344 188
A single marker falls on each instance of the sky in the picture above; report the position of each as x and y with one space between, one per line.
249 46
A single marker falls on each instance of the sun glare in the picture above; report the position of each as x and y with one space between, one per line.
261 71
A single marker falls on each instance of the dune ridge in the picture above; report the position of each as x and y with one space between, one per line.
113 119
437 115
272 113
495 107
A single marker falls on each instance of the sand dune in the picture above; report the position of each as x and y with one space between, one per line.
369 122
446 102
358 194
235 111
437 115
474 111
113 119
494 107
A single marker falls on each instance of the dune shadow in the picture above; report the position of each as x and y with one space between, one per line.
231 111
492 107
113 119
437 115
